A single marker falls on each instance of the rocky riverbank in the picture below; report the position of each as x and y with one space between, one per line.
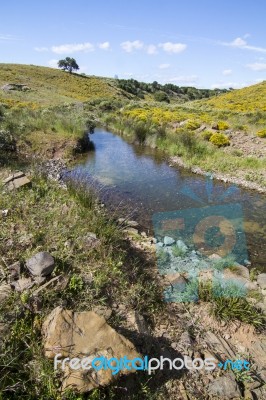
237 180
192 328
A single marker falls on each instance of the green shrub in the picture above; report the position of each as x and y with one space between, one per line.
206 135
188 140
219 139
161 131
141 132
222 126
192 125
7 141
161 96
262 133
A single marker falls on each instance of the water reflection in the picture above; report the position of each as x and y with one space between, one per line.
140 181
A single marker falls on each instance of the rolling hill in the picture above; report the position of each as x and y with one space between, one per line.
49 86
248 99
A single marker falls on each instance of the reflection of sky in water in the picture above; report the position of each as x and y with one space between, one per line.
117 160
144 180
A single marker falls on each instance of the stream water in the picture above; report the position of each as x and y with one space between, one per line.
137 182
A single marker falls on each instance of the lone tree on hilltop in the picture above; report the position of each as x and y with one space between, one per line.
68 64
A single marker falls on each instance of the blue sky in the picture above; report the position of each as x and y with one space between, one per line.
201 43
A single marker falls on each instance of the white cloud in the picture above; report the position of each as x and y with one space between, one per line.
170 47
242 44
130 46
72 48
227 72
53 63
41 49
104 46
238 42
257 66
151 49
164 66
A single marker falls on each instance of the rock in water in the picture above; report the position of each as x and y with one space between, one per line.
168 241
41 264
181 245
84 334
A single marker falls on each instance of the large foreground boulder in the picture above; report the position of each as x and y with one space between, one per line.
84 334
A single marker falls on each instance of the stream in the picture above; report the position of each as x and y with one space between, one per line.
138 183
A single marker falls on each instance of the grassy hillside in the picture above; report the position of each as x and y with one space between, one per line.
49 86
249 99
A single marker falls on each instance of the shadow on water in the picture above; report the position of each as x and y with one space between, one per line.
138 181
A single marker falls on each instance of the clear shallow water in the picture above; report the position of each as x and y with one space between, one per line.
138 182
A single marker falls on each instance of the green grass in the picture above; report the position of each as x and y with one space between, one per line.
227 305
48 218
249 99
42 132
237 308
50 86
